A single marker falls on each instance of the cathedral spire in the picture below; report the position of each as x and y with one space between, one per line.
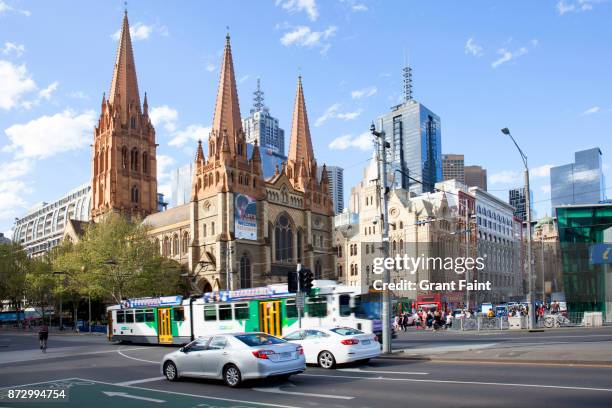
227 108
300 146
124 87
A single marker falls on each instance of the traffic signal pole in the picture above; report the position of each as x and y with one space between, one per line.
299 305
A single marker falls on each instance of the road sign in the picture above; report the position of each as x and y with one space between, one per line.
299 300
600 254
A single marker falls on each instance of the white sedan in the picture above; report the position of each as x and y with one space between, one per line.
234 358
336 345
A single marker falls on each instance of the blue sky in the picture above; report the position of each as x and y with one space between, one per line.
541 68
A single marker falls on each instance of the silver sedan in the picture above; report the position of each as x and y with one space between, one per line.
235 358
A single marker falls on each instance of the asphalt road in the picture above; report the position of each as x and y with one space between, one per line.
106 374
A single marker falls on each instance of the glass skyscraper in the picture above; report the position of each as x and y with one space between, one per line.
415 152
261 127
581 182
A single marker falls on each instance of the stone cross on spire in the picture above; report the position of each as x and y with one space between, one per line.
227 109
300 145
124 86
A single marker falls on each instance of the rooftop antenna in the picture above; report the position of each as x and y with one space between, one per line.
258 99
407 74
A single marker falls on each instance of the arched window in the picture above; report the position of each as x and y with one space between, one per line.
212 228
283 239
318 274
134 159
339 249
339 271
145 163
124 158
135 194
245 271
156 242
96 164
166 247
185 243
204 229
175 245
133 122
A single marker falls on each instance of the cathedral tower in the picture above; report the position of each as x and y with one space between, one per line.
124 151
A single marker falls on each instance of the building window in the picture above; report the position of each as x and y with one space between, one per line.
133 122
283 239
204 229
185 244
134 159
166 246
212 228
175 245
145 163
339 271
245 272
124 158
135 194
318 274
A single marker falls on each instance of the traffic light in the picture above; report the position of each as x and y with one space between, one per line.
306 278
292 281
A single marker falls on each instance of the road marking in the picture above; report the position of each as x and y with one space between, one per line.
137 359
144 380
126 395
359 370
277 390
191 395
527 363
38 383
560 387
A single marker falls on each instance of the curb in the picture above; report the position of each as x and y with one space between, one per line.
397 356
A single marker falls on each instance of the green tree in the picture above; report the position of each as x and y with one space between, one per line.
14 265
40 284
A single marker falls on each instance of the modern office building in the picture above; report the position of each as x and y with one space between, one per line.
475 176
42 228
261 127
335 176
453 167
580 182
414 135
180 185
516 198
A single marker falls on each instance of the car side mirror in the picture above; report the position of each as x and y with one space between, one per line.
183 350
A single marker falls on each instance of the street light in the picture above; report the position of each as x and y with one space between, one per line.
531 299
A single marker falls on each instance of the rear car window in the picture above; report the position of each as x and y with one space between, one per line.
258 339
346 331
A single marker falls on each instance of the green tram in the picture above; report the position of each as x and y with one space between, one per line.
271 309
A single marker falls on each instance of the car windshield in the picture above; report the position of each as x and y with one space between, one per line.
346 331
258 339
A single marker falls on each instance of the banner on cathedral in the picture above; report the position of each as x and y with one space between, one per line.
245 217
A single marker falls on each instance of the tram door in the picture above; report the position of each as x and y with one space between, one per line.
270 318
164 328
109 318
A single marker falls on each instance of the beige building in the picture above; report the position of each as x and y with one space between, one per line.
452 167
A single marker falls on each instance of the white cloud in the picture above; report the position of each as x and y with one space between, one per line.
506 177
333 112
9 47
14 169
15 82
361 142
164 116
303 36
190 133
507 56
48 91
210 67
78 95
359 7
591 111
141 31
294 6
364 93
575 6
244 78
12 190
50 135
540 171
474 49
5 8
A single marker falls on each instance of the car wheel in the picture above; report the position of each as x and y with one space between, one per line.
326 359
170 371
232 376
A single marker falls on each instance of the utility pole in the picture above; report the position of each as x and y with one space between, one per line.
543 275
467 254
383 191
299 298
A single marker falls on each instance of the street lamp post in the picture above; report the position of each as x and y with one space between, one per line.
531 299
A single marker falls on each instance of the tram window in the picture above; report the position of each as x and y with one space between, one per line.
120 317
290 308
179 314
345 307
149 315
129 316
317 307
241 311
140 316
210 313
225 312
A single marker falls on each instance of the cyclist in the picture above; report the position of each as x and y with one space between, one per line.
43 335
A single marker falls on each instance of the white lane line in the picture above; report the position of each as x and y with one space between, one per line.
277 390
126 395
359 370
144 380
38 383
193 395
137 359
560 387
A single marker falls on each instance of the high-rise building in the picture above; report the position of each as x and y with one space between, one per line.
475 176
43 227
516 198
452 167
124 151
335 175
414 135
581 182
180 185
261 127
